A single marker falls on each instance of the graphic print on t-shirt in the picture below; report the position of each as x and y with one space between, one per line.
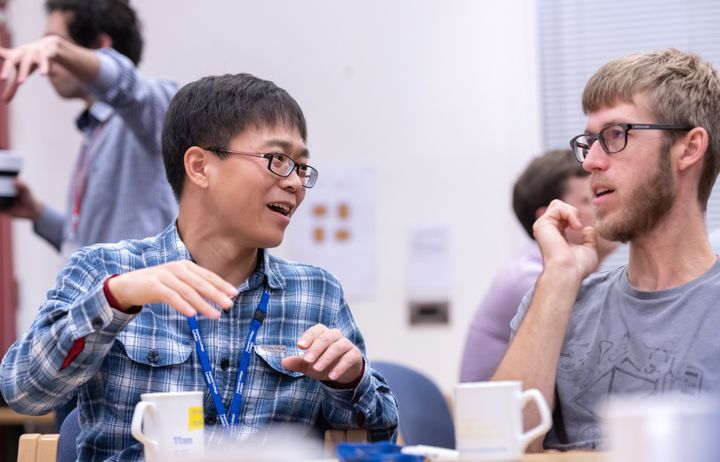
623 366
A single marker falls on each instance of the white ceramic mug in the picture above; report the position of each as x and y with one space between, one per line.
489 420
170 425
9 167
663 428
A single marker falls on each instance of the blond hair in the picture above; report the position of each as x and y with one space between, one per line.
681 89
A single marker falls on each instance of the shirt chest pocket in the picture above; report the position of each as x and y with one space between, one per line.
158 352
274 387
146 360
157 362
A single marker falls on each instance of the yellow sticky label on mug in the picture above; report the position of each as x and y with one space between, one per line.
195 418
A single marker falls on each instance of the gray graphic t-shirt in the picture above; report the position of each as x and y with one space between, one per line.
623 340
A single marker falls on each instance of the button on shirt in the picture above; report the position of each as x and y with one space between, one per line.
127 195
153 351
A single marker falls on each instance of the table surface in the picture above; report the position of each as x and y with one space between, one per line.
572 456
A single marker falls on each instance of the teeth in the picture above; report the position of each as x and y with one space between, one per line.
284 207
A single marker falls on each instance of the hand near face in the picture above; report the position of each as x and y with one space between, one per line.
20 62
329 356
549 231
181 284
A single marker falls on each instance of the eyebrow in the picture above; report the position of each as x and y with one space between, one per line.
287 146
608 124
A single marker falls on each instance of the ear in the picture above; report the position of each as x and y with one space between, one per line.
103 40
539 212
195 161
695 146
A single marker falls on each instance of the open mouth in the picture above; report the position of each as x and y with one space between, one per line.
603 191
281 208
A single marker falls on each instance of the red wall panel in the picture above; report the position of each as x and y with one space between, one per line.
8 285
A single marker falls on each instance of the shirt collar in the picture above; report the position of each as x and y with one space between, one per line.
265 267
96 114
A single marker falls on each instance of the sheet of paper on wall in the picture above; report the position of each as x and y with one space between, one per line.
334 228
428 274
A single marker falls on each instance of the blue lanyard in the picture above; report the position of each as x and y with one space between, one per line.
237 400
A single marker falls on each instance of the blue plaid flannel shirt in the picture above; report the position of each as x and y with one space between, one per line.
153 351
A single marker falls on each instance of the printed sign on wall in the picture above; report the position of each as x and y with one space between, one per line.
334 228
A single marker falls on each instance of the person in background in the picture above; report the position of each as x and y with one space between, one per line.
90 52
553 175
122 318
652 147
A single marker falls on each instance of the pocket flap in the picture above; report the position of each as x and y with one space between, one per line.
162 348
273 355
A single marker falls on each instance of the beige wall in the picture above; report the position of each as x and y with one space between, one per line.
447 89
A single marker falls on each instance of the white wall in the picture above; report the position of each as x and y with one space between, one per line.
441 99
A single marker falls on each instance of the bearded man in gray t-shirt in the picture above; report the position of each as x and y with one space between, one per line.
649 327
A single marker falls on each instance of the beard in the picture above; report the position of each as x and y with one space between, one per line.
647 204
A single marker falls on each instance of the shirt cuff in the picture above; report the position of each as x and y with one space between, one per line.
112 301
49 225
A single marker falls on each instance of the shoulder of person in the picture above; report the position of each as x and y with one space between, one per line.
120 257
289 269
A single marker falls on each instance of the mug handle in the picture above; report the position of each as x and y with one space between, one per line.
545 417
136 425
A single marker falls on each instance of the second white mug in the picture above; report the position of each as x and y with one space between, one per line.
489 422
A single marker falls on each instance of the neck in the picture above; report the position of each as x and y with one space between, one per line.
219 254
673 253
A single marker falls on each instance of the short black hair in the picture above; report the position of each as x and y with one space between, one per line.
213 110
544 180
91 18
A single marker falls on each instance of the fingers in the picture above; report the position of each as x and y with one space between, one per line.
28 63
11 86
20 62
310 335
207 284
589 237
183 285
185 298
9 73
328 355
192 285
565 214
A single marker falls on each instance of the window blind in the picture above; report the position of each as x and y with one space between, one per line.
576 37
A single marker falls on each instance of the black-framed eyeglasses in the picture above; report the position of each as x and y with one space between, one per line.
613 138
280 164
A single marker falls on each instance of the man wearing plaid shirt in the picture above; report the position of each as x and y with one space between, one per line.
114 326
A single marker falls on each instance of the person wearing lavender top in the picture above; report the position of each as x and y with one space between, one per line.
553 175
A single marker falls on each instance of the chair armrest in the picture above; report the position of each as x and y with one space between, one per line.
27 447
334 436
47 448
34 447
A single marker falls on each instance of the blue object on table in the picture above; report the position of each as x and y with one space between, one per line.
383 451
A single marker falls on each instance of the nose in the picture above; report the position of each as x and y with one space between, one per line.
292 182
596 158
